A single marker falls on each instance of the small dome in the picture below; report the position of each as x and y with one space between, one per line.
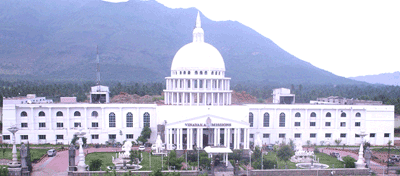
198 56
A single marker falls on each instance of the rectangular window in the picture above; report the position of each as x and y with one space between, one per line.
24 125
358 124
282 121
129 122
24 137
112 136
129 136
59 136
6 137
312 123
42 137
266 135
77 124
42 125
343 135
357 136
297 135
342 124
282 135
296 123
251 135
328 135
387 135
313 135
95 124
327 124
60 125
95 136
372 135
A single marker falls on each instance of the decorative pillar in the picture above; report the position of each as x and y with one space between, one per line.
201 137
234 138
81 165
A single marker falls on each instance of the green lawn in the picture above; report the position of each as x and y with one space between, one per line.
106 157
35 153
281 164
155 162
329 160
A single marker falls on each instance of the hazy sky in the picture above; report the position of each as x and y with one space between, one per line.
345 37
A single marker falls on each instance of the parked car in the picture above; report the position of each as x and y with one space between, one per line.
142 148
335 154
270 147
395 158
154 147
51 152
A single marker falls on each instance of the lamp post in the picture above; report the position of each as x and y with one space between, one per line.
13 129
360 162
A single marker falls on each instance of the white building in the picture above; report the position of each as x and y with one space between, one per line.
198 112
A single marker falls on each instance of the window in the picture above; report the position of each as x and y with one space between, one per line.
24 137
282 135
129 119
146 119
327 124
24 125
59 114
42 114
312 123
358 114
251 118
386 135
24 114
129 136
343 135
77 124
297 114
112 136
251 135
266 119
342 124
357 136
297 135
282 120
42 125
328 135
266 135
111 120
343 114
313 135
296 123
95 114
357 124
313 114
60 125
95 136
95 124
59 136
6 137
77 113
372 135
42 137
328 114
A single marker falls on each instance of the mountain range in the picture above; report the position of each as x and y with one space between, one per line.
137 40
384 78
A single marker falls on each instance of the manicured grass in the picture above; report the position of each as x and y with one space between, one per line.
155 162
106 157
281 164
329 160
35 153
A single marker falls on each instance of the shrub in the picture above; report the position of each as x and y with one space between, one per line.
95 164
349 161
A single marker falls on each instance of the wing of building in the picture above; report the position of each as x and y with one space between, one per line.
197 113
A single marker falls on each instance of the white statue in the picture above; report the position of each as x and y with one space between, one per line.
127 147
299 146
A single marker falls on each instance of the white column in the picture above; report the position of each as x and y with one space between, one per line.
225 137
189 138
180 139
200 131
177 139
247 137
235 138
197 137
215 136
239 137
229 138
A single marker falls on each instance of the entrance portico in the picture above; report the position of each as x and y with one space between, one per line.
207 130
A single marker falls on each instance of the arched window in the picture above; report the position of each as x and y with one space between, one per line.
188 72
146 119
129 120
205 72
42 114
95 114
251 119
212 72
24 114
313 114
328 114
343 114
77 113
111 120
195 73
282 120
266 120
59 114
358 114
297 114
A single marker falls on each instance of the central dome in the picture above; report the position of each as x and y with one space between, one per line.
198 56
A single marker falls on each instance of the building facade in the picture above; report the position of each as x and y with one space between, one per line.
197 113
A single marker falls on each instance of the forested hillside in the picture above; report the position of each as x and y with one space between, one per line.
304 93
